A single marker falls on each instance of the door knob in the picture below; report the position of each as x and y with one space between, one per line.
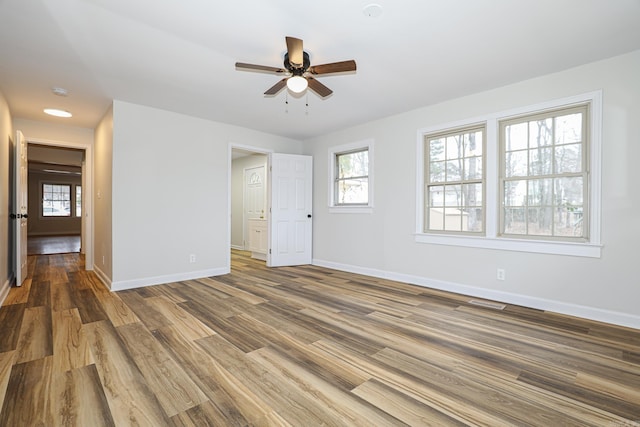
308 215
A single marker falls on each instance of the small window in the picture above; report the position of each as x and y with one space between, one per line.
78 203
454 181
56 200
351 177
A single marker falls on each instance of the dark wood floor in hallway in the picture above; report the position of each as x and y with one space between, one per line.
299 346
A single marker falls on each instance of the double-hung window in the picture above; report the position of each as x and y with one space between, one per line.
351 177
56 200
454 181
544 184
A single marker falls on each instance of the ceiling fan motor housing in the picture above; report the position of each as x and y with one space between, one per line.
297 71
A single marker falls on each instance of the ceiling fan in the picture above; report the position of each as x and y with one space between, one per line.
299 72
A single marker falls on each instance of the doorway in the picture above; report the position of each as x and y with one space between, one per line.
55 199
248 195
48 158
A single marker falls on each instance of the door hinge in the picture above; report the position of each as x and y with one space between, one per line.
269 251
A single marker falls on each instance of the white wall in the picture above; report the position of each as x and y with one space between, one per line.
102 190
382 243
171 193
6 260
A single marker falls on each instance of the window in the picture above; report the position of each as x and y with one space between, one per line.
543 181
351 178
56 200
454 181
535 185
78 203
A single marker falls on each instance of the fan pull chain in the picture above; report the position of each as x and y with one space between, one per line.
286 102
306 104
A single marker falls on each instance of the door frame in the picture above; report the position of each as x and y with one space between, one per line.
87 193
250 149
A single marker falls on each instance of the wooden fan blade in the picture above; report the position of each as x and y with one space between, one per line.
276 87
334 67
263 68
294 48
318 87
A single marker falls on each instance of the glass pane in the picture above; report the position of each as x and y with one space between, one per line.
516 137
472 195
568 128
453 219
453 170
514 221
515 193
436 219
436 196
452 195
78 200
540 221
516 164
540 192
353 191
540 132
454 147
568 158
474 220
436 171
473 144
473 168
436 150
540 161
353 164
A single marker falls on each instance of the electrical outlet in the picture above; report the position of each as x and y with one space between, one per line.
500 274
192 258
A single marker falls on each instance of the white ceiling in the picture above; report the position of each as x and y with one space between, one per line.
179 55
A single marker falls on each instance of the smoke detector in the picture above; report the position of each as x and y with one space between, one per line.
59 91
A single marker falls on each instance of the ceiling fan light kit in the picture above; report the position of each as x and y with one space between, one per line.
300 73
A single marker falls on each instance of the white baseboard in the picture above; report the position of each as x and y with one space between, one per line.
237 247
159 280
591 313
103 277
4 290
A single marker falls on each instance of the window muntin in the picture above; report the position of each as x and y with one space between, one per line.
56 200
454 181
351 182
544 175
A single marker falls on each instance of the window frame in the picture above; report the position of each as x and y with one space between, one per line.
482 181
334 152
492 239
42 192
77 187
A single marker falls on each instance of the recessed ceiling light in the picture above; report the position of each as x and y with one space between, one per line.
372 10
57 113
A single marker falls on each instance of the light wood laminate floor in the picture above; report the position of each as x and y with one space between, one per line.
299 346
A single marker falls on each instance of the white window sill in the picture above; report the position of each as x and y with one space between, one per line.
589 250
351 209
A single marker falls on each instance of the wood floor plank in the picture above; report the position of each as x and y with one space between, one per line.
36 335
175 391
189 325
61 297
11 317
78 399
19 294
70 346
6 362
130 400
88 306
27 401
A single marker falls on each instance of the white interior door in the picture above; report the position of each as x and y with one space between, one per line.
290 222
21 205
254 197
